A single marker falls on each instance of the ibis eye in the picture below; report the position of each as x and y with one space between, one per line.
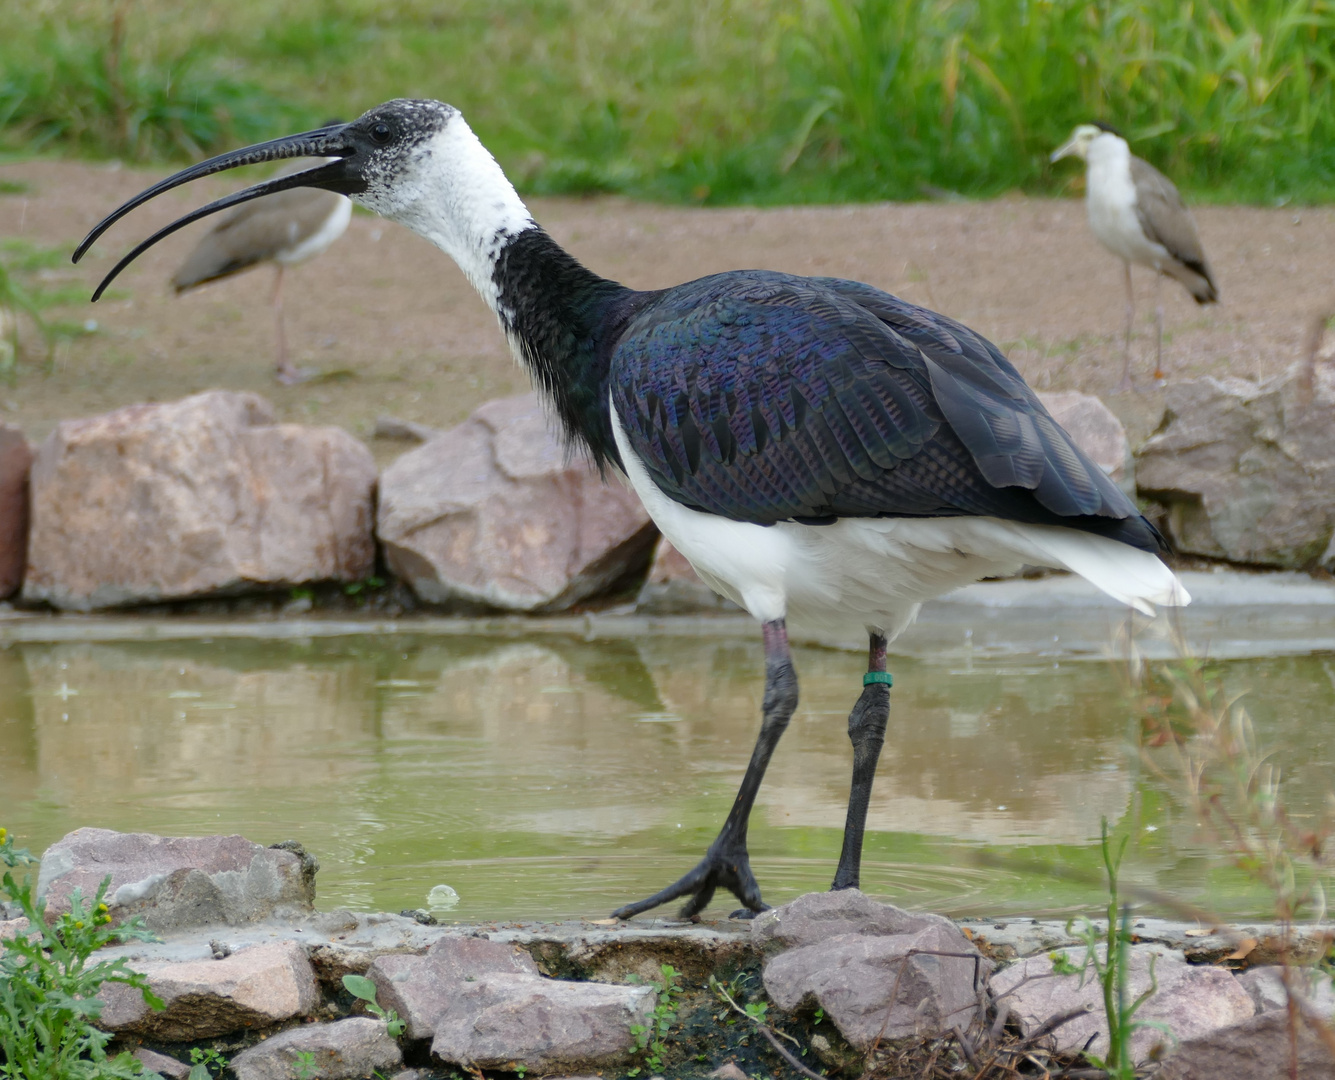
380 132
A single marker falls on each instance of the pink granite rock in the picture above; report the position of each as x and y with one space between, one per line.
344 1050
1094 427
883 986
816 917
178 881
419 988
1246 470
15 461
505 1021
496 512
201 496
1191 999
10 928
1257 1049
161 1064
254 987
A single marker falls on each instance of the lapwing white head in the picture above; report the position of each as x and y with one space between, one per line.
1080 141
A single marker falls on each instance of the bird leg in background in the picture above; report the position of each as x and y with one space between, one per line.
286 375
866 731
727 863
1158 324
1125 384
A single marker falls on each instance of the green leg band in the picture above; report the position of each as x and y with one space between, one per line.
878 677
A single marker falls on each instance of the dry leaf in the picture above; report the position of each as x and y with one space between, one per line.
1245 946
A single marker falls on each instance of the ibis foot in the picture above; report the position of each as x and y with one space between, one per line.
725 864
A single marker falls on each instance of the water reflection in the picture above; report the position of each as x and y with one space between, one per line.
549 776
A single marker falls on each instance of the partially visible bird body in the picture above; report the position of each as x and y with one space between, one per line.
285 228
1138 215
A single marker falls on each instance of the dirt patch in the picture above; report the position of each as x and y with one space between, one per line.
399 331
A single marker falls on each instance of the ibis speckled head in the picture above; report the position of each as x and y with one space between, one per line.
375 161
1081 138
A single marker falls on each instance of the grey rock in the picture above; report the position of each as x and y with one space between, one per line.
1266 986
815 917
161 1064
420 988
495 512
343 1050
252 988
1094 428
15 463
177 881
208 495
12 927
1247 470
504 1021
1191 1000
883 986
1256 1049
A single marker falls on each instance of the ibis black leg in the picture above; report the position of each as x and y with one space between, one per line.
866 730
727 863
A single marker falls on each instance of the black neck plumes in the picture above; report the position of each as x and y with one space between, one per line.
566 320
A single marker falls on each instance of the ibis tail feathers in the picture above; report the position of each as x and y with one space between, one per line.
1125 573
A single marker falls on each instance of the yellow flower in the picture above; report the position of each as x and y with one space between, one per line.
79 925
3 834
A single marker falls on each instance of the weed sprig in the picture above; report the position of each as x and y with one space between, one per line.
651 1038
48 987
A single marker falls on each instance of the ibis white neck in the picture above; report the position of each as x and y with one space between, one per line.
452 192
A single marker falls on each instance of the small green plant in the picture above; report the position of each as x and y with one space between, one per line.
206 1063
359 986
48 988
651 1038
353 588
1112 971
304 1066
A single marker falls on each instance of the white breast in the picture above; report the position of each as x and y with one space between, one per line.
1110 200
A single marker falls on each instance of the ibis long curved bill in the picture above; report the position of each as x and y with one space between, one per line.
342 176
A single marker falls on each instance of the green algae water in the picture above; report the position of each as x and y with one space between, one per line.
546 777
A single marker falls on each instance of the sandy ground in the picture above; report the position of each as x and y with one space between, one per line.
397 330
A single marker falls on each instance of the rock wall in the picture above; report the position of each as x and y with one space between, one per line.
498 512
208 495
1246 470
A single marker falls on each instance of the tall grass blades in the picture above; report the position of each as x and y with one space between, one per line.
87 85
902 97
706 100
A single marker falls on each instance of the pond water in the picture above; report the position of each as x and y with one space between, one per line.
546 776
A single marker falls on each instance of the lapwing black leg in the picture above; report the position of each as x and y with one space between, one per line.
866 730
727 863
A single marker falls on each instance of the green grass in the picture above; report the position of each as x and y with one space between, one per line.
710 100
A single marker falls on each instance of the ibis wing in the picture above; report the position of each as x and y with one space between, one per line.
763 397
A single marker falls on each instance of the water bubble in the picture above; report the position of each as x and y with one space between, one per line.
442 898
